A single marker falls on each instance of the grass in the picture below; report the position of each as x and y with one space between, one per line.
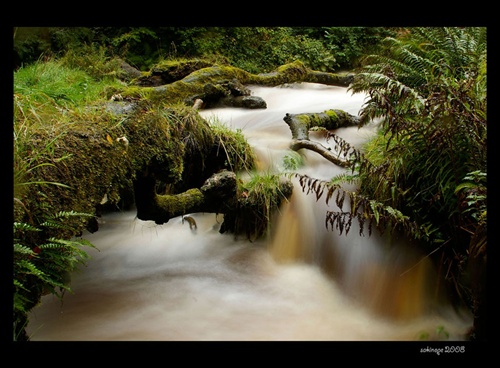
240 155
50 98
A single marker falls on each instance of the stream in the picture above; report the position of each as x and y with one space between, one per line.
148 282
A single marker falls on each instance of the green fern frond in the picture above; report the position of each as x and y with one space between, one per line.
19 284
344 178
54 225
57 220
22 250
67 214
22 226
29 268
73 244
55 244
413 69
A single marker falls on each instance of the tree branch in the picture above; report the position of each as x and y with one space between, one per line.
318 148
300 124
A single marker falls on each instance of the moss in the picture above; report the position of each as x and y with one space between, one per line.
288 73
322 120
258 199
155 140
163 134
332 115
295 70
176 69
136 92
88 153
305 119
194 84
178 204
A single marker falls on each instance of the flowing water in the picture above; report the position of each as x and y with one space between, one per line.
148 282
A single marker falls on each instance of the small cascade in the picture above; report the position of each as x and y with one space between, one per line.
292 240
386 275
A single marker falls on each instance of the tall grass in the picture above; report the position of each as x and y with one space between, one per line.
47 96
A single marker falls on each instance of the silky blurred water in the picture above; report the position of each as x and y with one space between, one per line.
170 283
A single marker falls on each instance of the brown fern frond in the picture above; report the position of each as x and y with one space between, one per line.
311 185
369 213
329 195
344 148
340 199
361 222
341 221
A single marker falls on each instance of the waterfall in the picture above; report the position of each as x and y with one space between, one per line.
392 280
306 282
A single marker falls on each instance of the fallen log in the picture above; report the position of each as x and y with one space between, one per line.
247 212
213 83
300 124
248 102
217 195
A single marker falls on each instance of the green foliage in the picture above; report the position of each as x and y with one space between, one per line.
139 43
49 207
30 44
47 82
425 172
264 188
350 44
262 49
472 194
95 61
261 195
255 49
60 84
164 136
419 65
292 161
41 263
430 95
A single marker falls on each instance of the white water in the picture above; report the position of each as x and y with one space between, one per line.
168 282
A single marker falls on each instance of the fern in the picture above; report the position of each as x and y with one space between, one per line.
44 264
29 268
344 148
20 249
345 178
21 226
429 90
361 208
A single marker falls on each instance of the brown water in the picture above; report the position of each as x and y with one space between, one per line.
168 282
